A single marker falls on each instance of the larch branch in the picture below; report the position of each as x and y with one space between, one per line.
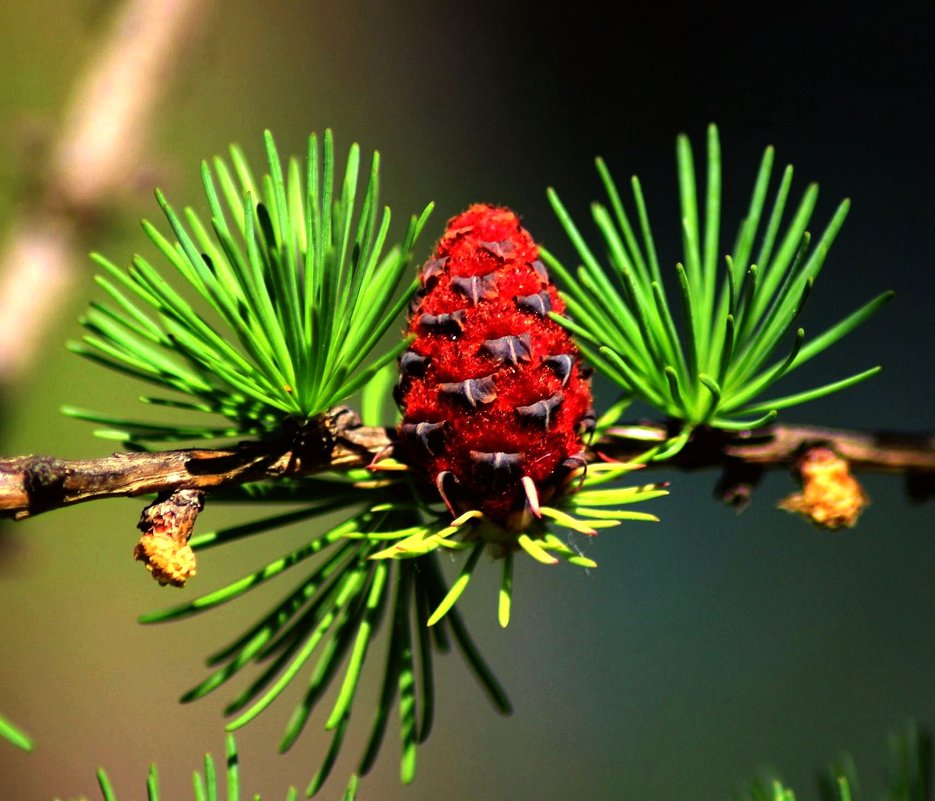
30 485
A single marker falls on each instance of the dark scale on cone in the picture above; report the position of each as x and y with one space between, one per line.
491 389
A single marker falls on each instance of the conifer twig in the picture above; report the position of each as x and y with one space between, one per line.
779 446
30 485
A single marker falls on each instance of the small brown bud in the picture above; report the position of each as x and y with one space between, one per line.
831 497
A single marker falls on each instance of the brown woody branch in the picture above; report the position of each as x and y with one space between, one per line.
779 446
30 485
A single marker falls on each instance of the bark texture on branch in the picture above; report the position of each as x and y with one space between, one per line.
30 485
780 446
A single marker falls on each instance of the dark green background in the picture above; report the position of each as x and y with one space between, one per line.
702 648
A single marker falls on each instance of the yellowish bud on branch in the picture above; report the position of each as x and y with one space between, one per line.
831 497
167 526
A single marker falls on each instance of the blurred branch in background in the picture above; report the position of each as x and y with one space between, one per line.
91 164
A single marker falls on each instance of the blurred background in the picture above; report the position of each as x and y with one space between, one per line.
704 650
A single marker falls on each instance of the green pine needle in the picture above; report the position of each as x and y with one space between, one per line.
14 735
586 508
909 775
277 304
205 784
378 568
735 318
327 624
458 587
